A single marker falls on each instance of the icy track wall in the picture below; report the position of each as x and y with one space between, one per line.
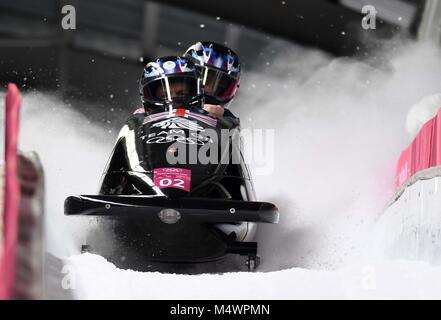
414 212
410 227
339 129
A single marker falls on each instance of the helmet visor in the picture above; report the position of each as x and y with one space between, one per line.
170 89
219 85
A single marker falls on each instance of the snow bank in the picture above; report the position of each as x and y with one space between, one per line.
95 278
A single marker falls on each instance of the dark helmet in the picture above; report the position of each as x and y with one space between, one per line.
220 69
171 80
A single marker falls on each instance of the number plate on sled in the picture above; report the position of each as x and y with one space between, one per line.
172 178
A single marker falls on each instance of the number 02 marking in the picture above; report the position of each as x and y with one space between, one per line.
166 182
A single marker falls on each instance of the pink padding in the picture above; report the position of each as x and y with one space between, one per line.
436 155
11 194
424 151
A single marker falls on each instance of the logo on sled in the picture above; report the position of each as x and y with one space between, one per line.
182 113
178 123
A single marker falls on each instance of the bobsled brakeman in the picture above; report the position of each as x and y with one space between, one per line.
175 212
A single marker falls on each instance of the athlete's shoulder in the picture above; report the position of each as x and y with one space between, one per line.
228 113
137 116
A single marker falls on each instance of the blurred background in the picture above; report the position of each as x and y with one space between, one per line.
99 63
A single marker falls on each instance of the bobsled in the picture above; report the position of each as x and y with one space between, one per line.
176 189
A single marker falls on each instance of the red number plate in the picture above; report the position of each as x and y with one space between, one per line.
172 178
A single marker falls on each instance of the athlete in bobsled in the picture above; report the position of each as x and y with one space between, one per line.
160 200
220 72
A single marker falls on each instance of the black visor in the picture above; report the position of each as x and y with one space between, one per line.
219 85
169 89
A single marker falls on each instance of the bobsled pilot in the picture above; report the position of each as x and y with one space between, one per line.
177 80
220 72
174 81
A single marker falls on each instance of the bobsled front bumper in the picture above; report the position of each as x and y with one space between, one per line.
206 210
172 230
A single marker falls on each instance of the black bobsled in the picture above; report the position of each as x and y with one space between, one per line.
176 189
